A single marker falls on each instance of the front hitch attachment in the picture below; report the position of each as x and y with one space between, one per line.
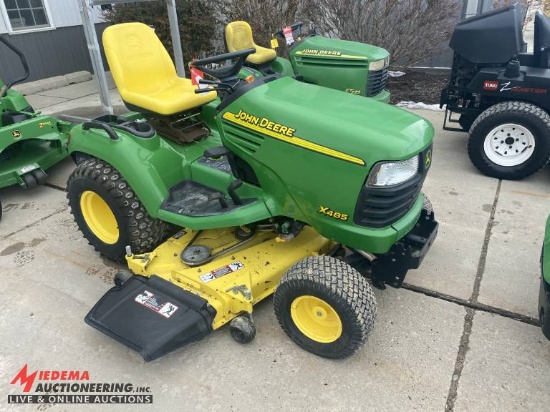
392 267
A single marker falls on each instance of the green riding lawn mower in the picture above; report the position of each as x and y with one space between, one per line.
30 143
352 67
219 197
501 93
544 294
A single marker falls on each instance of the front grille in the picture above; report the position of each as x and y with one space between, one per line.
382 206
376 82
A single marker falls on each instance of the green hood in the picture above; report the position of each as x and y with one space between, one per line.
317 46
343 122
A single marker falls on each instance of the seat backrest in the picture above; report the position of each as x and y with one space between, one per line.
238 36
138 60
541 40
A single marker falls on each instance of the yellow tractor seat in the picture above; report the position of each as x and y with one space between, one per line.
145 74
238 36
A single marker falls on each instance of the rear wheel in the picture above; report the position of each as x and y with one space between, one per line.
109 213
325 306
510 140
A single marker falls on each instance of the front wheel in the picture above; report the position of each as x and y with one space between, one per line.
108 212
510 140
325 306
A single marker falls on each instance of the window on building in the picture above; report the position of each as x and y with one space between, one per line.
26 14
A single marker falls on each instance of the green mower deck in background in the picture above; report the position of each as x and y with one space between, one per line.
544 294
30 143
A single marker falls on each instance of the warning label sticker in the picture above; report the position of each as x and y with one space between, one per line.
149 300
225 270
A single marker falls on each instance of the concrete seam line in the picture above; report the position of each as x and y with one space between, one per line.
470 313
56 187
476 306
485 247
35 223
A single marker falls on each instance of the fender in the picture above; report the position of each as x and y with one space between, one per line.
151 166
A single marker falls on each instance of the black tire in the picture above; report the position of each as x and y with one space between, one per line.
121 277
29 181
325 306
116 216
510 140
242 329
0 210
40 176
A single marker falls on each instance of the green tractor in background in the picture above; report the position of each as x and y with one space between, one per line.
30 143
218 200
352 67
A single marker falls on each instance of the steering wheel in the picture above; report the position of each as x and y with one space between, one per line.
23 62
227 71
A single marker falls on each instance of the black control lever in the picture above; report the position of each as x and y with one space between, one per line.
101 126
231 189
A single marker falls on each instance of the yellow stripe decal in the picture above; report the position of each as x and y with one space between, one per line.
294 140
325 54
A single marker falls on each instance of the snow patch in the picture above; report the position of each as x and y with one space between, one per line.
396 73
419 105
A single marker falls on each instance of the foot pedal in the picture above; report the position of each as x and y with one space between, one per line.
152 316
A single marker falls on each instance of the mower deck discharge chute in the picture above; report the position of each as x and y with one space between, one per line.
280 187
30 143
501 93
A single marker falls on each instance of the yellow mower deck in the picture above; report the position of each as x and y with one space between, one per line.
236 280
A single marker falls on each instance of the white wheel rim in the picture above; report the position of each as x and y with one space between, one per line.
509 144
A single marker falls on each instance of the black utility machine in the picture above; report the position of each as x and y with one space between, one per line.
501 93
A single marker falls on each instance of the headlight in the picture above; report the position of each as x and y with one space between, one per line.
393 173
379 64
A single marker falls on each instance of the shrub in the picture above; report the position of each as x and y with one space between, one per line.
411 30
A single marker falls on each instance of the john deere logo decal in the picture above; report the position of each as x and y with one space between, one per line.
284 133
16 134
428 160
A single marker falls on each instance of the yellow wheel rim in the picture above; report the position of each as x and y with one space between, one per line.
99 217
316 319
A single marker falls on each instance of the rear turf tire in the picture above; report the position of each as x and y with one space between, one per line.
108 212
510 140
325 306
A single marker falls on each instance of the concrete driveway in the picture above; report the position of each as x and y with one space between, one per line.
460 336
